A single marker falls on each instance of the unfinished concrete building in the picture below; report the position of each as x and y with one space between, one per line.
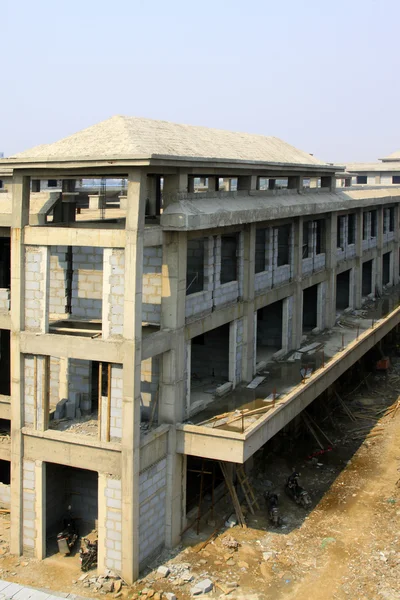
132 327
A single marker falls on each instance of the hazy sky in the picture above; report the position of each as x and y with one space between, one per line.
320 75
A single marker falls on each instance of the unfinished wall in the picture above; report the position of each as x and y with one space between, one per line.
200 303
36 273
5 495
80 382
57 277
226 293
113 292
116 402
152 496
152 263
87 282
149 388
28 507
113 524
5 297
210 354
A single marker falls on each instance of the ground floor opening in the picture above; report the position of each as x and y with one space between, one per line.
367 286
209 363
343 290
310 308
70 492
269 330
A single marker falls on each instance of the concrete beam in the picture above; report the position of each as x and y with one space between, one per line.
73 347
75 236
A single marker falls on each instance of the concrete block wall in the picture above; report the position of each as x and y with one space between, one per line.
87 282
35 287
152 264
28 507
56 502
80 381
150 380
29 389
5 298
81 493
54 385
116 402
113 292
152 500
113 525
200 303
228 292
346 250
58 267
239 350
5 495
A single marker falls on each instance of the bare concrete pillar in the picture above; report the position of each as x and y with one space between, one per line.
297 317
329 181
213 184
20 219
396 265
175 187
249 332
379 248
172 392
247 183
68 201
97 201
190 184
358 266
132 358
271 184
331 261
295 182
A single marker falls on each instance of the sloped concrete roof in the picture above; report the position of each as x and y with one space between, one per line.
129 137
393 156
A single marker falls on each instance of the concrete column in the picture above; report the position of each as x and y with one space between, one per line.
20 218
175 187
132 333
358 266
40 509
247 182
249 332
232 352
213 184
101 529
297 317
331 251
191 184
172 392
153 183
379 248
96 201
68 201
396 265
271 184
328 181
295 182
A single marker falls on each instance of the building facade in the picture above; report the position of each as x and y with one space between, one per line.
125 326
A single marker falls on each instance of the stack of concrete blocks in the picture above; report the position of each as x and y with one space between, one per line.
263 280
152 265
36 273
5 495
113 292
87 282
79 388
150 379
283 273
116 402
239 349
28 508
58 267
200 304
230 292
5 298
152 499
113 524
29 390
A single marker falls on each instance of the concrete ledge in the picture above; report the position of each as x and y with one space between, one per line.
235 447
5 407
52 344
74 236
72 450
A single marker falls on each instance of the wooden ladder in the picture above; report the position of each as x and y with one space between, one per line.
247 489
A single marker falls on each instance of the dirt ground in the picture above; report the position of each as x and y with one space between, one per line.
346 546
